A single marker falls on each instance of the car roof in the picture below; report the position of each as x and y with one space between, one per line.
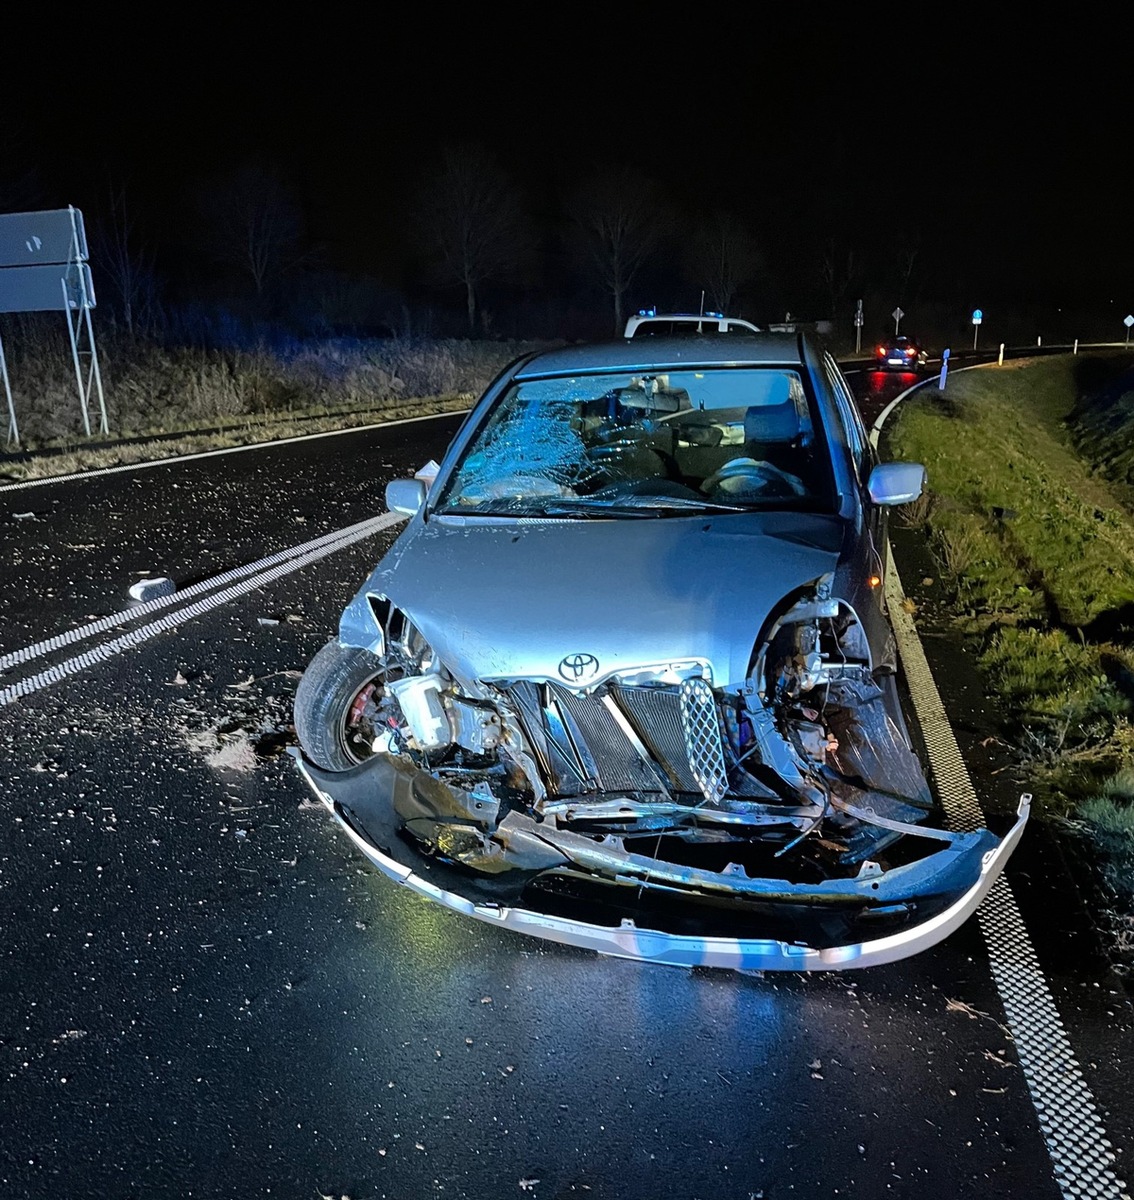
637 354
709 321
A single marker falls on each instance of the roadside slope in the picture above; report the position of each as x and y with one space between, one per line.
1034 545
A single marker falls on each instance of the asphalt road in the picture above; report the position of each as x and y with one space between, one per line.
204 992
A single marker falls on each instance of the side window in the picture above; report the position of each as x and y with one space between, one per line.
861 451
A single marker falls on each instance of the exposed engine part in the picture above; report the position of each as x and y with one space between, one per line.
775 751
438 718
420 700
476 727
818 640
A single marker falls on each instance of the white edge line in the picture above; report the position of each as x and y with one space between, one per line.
180 458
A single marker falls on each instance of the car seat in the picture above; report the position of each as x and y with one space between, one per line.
772 424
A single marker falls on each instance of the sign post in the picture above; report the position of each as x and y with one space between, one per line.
1128 321
944 370
44 268
897 314
13 428
858 329
978 316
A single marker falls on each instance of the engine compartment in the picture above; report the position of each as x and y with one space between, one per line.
802 772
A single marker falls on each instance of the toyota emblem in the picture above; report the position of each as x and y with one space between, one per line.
577 667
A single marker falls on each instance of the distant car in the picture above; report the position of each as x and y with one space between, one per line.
901 354
655 324
626 680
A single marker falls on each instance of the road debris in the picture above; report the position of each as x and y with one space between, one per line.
151 589
962 1007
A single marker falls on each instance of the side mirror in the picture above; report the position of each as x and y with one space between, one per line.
896 483
405 496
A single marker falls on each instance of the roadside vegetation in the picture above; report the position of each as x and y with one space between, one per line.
167 400
1030 516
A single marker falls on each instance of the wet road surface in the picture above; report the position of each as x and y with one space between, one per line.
205 992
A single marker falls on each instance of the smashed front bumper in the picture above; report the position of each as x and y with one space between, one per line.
563 887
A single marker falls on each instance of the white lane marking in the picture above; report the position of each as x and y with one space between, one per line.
70 636
1069 1120
107 650
180 458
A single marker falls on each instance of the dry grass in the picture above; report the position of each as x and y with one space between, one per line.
229 397
153 389
79 459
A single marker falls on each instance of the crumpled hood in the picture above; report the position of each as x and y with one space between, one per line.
516 599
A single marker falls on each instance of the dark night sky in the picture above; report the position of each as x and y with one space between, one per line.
1003 150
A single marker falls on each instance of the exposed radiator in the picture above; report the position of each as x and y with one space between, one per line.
580 738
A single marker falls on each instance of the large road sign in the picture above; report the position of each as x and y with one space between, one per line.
43 268
49 287
55 235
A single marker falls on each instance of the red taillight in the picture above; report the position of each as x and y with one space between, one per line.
881 351
910 352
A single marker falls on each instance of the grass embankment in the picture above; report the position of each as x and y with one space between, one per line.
1036 543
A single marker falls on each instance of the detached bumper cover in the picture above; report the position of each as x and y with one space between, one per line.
702 921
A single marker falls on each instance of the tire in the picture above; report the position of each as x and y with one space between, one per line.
334 680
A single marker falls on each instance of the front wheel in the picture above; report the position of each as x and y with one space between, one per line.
335 704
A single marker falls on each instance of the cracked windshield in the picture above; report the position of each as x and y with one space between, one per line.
725 439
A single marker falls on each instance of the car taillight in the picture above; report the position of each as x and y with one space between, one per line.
910 352
881 351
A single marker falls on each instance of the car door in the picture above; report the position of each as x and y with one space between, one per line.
869 552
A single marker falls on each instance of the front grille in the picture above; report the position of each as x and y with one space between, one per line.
702 727
602 751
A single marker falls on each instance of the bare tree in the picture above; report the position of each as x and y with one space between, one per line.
121 258
20 186
617 218
907 251
255 226
472 223
722 257
838 271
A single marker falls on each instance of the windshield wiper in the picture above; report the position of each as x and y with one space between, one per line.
596 508
642 505
593 507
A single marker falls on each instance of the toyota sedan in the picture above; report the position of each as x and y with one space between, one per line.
626 679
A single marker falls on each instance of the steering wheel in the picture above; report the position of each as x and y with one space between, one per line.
752 477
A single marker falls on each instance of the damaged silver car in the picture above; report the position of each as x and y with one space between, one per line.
626 681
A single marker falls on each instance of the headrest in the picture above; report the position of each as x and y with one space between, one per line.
772 422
